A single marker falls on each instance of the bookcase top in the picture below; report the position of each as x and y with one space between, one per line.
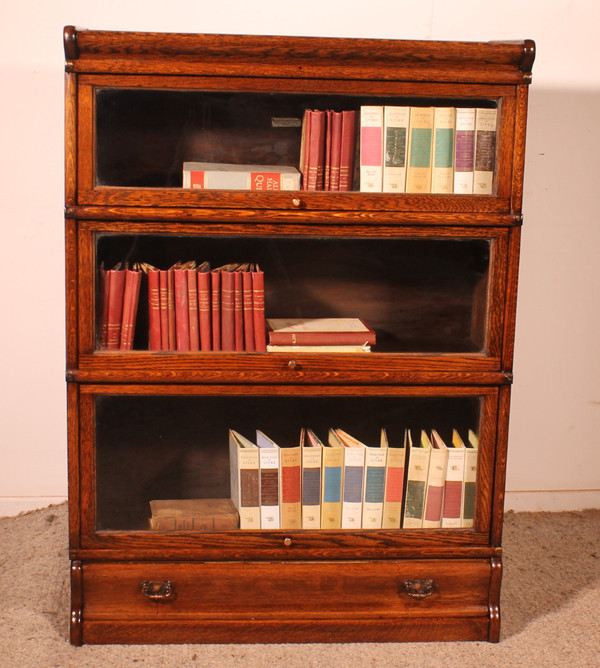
145 53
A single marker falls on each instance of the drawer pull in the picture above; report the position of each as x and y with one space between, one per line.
158 592
419 589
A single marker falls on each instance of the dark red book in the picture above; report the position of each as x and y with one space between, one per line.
227 309
336 150
182 317
114 311
172 332
192 288
130 303
238 310
154 341
103 286
306 120
248 308
316 150
348 148
204 306
319 332
215 291
258 309
327 168
163 283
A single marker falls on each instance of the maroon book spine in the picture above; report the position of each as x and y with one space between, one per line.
130 302
163 281
204 310
104 284
182 322
192 287
227 311
258 302
171 310
116 289
316 151
154 342
348 148
336 150
238 310
248 311
215 289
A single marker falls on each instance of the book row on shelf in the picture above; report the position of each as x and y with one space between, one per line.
398 149
192 307
340 483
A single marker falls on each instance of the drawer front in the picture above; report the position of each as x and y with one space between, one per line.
296 590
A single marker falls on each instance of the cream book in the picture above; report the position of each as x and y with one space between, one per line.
442 165
468 509
354 470
224 176
290 484
245 486
485 151
464 151
331 484
453 489
268 453
420 135
395 137
374 484
371 148
394 481
416 481
312 455
436 480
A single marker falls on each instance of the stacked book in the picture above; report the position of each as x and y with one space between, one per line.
321 335
427 149
119 293
195 307
342 483
327 149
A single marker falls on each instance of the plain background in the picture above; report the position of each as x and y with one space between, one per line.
554 451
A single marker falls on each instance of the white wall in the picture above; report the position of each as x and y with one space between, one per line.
554 458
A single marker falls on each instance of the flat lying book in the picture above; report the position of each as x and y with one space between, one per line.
193 515
365 348
319 331
224 176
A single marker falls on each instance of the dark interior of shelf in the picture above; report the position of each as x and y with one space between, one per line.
420 295
176 447
143 137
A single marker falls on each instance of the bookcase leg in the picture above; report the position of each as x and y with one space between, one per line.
76 603
494 604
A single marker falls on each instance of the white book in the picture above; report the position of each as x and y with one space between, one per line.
442 162
416 481
312 456
354 470
436 480
395 137
468 512
243 457
268 455
454 486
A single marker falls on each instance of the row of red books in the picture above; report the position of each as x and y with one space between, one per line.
327 149
190 307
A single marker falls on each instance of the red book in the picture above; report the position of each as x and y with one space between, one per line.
130 302
316 151
348 148
182 317
327 171
248 309
192 286
258 303
336 150
204 306
306 121
238 310
227 309
163 283
114 312
172 337
103 292
154 342
215 290
319 332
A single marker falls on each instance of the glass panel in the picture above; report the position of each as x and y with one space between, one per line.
143 137
419 295
152 448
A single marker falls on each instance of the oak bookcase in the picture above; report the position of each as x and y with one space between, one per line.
435 275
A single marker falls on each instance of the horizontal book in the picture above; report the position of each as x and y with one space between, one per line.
224 176
193 515
365 348
319 331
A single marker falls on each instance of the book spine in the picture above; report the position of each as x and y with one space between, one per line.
418 171
316 151
258 302
248 309
321 338
418 468
127 306
227 311
374 487
371 148
172 331
291 487
347 150
182 323
215 288
331 492
434 498
269 488
442 169
192 284
204 310
453 489
128 327
250 179
485 151
396 121
464 151
311 488
354 469
154 340
468 509
336 150
116 290
104 288
394 489
238 311
164 311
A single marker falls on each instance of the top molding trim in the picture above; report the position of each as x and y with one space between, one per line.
113 52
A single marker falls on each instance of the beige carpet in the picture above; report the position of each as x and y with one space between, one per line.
550 606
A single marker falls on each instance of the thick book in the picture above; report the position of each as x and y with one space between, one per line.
371 148
215 307
347 150
131 293
335 152
319 331
312 453
203 274
485 151
222 176
238 310
396 120
193 308
154 340
436 480
290 484
270 498
464 151
353 475
418 455
248 308
394 480
228 308
163 283
114 290
315 150
245 481
442 164
453 488
472 448
193 515
332 484
182 314
420 142
258 309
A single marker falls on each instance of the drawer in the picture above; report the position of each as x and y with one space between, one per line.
295 590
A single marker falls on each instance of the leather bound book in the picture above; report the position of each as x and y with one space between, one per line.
258 301
131 294
227 309
154 341
319 331
192 285
204 306
248 308
114 311
347 150
182 322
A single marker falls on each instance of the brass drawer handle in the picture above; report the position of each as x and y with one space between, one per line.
419 589
159 592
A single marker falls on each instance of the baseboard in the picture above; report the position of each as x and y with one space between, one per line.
14 505
552 500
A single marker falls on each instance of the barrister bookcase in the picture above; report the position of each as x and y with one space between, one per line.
434 274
